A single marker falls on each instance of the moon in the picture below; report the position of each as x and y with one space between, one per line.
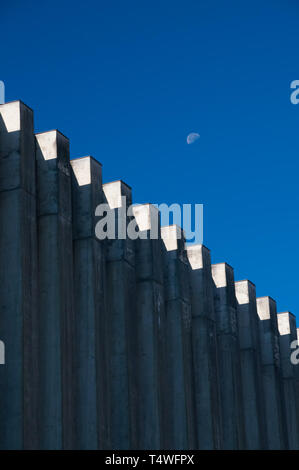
192 137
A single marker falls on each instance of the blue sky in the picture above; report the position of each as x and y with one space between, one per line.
127 81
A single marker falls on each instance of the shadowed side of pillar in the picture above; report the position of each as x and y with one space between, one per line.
288 334
150 321
121 314
180 429
229 356
251 373
271 372
18 278
55 272
204 348
90 352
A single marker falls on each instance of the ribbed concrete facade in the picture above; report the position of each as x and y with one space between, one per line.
125 343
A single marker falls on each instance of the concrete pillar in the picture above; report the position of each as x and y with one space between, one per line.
204 346
18 278
180 430
55 273
91 397
229 356
251 373
150 322
121 313
288 334
295 361
271 372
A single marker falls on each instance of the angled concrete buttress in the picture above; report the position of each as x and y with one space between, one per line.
18 278
204 349
288 334
91 385
180 429
251 373
55 274
229 356
271 371
121 314
150 320
295 359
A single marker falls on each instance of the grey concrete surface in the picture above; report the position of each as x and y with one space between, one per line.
18 278
90 357
271 370
56 303
125 343
228 357
251 367
180 429
121 313
204 349
150 321
287 334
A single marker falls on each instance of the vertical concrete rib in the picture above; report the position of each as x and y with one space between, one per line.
295 362
271 372
288 334
18 278
55 272
91 397
150 321
121 313
229 356
251 373
180 431
204 347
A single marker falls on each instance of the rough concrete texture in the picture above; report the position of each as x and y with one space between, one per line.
180 413
18 278
271 370
251 372
204 349
122 334
287 334
125 343
150 330
228 357
56 293
91 390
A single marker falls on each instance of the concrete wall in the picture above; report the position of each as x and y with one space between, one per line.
251 366
288 334
271 373
125 343
56 293
229 357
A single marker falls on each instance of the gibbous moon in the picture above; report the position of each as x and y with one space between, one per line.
192 137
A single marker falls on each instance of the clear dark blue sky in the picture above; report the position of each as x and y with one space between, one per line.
126 81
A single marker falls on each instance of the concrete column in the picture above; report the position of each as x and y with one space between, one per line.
271 371
55 273
229 356
91 398
251 373
295 361
150 321
121 313
204 346
288 334
18 278
180 430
